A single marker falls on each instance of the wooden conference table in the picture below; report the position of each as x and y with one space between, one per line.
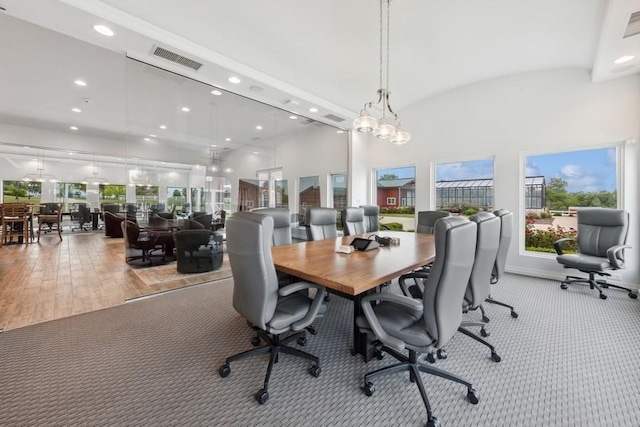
357 274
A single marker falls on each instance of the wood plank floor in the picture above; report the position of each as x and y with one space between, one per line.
53 279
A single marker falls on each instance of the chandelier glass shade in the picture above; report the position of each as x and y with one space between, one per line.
365 122
40 175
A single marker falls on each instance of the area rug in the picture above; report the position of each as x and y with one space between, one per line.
165 277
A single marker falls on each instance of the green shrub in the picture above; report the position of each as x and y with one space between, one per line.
395 226
542 240
469 211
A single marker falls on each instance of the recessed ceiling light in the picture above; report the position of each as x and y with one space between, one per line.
186 109
624 59
147 139
76 110
313 110
73 127
163 127
227 139
216 92
293 117
258 127
255 152
104 30
234 80
340 131
71 153
153 136
80 82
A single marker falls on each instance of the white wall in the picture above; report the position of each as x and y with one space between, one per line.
505 118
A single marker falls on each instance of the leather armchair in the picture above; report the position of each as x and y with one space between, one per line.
602 238
278 315
138 244
112 224
401 323
195 251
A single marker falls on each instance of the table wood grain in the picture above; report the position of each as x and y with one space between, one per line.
358 272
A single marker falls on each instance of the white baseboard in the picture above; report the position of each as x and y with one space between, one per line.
559 276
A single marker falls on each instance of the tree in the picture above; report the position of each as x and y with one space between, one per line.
388 176
557 196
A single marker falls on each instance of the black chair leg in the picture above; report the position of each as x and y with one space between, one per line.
494 354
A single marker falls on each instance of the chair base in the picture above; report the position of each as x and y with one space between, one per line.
595 284
490 300
275 346
414 367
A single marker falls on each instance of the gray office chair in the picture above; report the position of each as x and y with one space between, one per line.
602 237
281 224
427 220
353 221
506 232
371 218
272 311
487 244
82 217
402 323
426 225
321 223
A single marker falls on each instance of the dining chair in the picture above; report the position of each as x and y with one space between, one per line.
50 219
15 222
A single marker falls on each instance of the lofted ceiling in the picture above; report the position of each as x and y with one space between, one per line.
296 55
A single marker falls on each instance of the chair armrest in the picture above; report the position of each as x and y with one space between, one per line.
317 302
560 242
614 259
413 275
375 325
297 286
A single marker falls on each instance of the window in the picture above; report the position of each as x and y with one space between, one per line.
176 196
272 188
70 194
391 201
112 194
464 187
22 192
309 195
339 195
556 184
393 186
146 196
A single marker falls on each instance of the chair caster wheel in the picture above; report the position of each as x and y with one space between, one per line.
368 389
563 286
485 319
302 341
442 353
472 396
632 295
603 296
495 357
315 370
514 314
604 285
327 297
312 330
431 358
378 354
256 341
224 371
433 422
484 332
262 396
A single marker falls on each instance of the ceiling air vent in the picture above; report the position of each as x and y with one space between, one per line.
178 59
633 28
334 118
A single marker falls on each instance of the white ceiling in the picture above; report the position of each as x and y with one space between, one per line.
322 53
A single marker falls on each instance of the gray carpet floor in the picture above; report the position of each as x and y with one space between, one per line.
570 359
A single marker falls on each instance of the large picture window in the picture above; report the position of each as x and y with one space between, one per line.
309 195
465 187
396 189
557 184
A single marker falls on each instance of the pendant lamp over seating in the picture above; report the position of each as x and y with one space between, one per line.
365 122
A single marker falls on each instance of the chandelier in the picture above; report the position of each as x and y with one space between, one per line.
40 175
95 179
382 129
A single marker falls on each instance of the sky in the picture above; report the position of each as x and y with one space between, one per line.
584 171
